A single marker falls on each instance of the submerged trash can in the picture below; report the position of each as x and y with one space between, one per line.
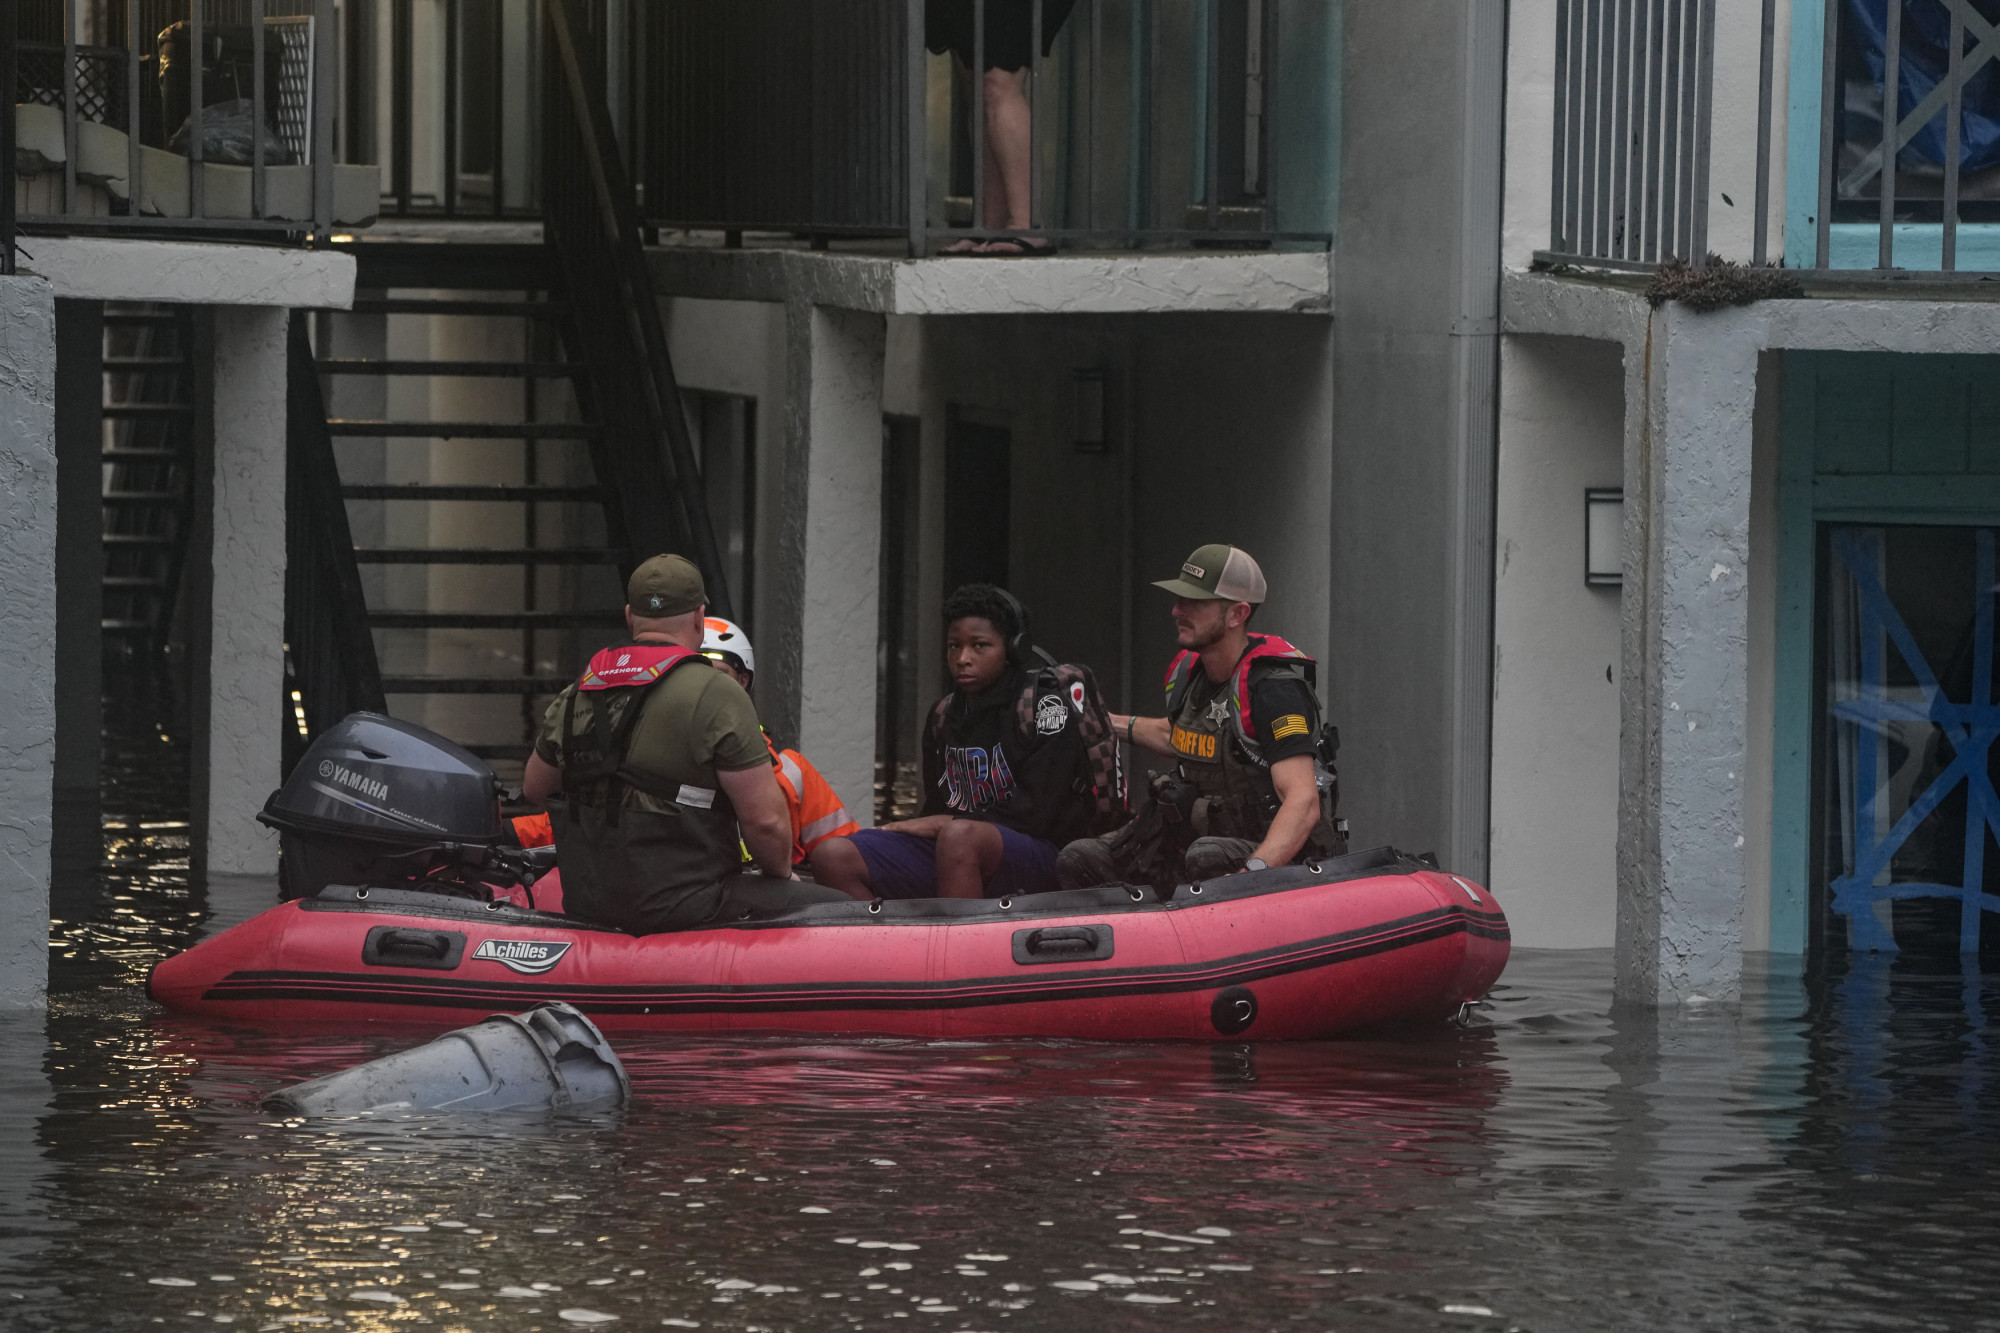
550 1057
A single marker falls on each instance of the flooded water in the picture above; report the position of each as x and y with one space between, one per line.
1822 1158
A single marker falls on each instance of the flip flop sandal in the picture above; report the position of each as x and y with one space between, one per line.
1020 247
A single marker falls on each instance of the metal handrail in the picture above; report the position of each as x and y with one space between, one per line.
120 64
645 456
326 612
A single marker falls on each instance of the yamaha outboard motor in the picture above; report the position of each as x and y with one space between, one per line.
383 803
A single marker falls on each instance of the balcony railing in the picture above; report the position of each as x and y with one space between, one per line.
1925 68
171 115
1156 122
1913 84
1634 83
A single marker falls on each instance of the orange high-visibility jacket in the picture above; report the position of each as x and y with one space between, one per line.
817 813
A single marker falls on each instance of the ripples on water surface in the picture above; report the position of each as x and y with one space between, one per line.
1820 1160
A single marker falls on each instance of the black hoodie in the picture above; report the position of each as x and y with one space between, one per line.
979 762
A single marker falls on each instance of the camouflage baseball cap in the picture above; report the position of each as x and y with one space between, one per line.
666 585
1219 573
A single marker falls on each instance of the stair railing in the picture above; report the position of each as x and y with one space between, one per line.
334 668
645 460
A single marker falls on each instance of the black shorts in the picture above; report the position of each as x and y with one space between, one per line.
1010 30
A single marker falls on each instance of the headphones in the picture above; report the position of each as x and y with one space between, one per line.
1020 644
1021 649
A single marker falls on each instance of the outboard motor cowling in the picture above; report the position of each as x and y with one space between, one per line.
377 801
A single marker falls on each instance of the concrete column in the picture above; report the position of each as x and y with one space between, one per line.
1685 631
28 660
822 619
238 564
1409 672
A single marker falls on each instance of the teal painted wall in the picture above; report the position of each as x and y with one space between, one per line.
1305 143
1867 438
1306 146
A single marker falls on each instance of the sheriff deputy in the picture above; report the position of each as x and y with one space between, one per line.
1244 724
650 763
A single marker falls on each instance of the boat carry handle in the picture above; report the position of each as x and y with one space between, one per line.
402 946
1063 944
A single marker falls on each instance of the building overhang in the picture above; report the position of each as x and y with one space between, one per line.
1082 284
1831 317
93 268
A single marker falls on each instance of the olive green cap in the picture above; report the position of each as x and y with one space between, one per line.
1218 573
666 585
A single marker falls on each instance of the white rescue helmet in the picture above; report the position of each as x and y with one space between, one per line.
725 641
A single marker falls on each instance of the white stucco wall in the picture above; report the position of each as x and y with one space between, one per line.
28 649
1531 68
1556 646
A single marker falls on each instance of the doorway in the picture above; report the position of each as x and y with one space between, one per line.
724 431
978 493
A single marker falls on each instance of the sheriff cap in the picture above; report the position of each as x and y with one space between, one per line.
666 585
1219 573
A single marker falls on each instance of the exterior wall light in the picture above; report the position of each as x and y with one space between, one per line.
1087 386
1603 527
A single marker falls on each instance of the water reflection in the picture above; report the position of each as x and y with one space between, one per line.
1818 1158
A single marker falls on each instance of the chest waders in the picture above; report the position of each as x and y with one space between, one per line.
639 869
1222 758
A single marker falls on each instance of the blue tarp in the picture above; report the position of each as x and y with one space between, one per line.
1925 55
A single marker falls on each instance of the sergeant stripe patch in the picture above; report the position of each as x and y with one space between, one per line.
1292 724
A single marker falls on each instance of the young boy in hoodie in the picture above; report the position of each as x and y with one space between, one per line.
1000 799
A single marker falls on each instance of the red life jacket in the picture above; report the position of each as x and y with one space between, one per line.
1242 725
639 869
632 664
598 754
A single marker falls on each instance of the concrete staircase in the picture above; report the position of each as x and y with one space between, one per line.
469 466
148 472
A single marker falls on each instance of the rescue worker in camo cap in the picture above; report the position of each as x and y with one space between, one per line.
656 774
816 811
1253 787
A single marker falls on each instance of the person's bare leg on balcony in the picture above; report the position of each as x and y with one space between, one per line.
1010 146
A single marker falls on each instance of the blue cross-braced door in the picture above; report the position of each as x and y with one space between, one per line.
1910 817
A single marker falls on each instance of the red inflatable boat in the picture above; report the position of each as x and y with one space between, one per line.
1284 954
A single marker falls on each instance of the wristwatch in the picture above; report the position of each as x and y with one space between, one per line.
1256 863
